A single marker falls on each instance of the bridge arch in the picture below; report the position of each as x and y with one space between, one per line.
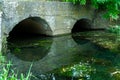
31 26
82 25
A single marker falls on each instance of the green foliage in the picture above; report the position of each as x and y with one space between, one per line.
114 29
6 73
82 2
112 7
82 70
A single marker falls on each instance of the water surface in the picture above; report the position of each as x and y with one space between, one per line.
67 57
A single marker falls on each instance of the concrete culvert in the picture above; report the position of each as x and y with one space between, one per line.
82 25
30 26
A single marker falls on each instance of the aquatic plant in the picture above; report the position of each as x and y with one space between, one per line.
81 70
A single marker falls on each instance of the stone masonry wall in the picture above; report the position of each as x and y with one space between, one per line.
61 16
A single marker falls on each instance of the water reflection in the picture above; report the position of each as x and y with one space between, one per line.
80 40
46 54
51 55
30 49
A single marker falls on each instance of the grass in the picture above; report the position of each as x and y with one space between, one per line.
6 73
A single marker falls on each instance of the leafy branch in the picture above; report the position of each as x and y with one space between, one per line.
112 7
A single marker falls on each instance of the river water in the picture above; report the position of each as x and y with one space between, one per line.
66 57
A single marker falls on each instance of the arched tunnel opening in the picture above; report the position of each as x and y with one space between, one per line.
27 40
32 26
82 25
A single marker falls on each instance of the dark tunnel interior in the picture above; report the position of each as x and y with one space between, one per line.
32 26
82 25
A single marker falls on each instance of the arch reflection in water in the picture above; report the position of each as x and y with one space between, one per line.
30 49
79 39
63 51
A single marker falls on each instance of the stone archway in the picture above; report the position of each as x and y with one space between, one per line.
25 40
82 25
30 26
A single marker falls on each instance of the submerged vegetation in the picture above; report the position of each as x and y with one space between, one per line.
81 71
104 39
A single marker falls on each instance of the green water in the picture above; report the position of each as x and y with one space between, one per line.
67 57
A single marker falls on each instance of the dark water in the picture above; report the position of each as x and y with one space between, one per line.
68 57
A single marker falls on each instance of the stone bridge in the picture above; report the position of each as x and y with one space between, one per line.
42 17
